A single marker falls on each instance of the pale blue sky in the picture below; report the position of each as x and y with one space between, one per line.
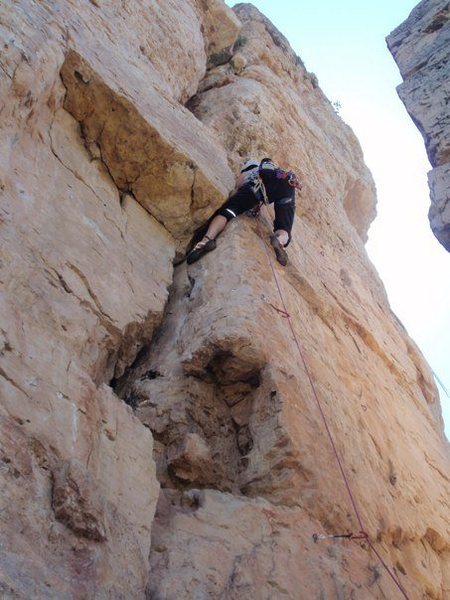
343 43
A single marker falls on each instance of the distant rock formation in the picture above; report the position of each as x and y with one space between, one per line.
421 49
159 436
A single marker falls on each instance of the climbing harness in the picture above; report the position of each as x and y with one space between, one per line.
362 535
257 184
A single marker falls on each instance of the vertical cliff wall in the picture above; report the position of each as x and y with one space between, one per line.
421 49
160 437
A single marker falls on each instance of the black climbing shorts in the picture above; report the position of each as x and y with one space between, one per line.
245 199
242 201
284 215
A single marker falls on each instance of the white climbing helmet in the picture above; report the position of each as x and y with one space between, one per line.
249 164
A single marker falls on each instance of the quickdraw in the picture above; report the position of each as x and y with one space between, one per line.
349 536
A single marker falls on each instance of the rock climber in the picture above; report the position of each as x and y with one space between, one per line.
257 183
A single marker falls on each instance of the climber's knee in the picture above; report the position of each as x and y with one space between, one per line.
240 202
226 212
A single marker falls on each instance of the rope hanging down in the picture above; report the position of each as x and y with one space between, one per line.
362 533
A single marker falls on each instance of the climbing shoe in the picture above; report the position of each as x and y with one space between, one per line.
280 252
200 249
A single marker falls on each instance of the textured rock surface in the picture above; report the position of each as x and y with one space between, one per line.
421 49
251 549
85 271
104 174
252 102
220 28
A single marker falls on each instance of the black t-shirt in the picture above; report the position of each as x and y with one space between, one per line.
276 188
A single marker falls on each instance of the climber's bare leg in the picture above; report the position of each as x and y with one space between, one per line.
278 240
282 236
216 226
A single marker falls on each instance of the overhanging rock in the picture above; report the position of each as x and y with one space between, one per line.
156 150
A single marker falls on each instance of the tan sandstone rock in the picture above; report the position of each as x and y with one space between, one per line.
104 175
220 28
246 391
223 546
85 270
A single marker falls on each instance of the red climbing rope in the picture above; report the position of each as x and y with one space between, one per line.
284 313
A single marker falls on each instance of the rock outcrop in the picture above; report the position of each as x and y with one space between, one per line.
421 49
159 434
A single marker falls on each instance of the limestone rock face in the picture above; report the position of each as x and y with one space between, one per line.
86 261
253 103
130 386
421 49
220 28
251 549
